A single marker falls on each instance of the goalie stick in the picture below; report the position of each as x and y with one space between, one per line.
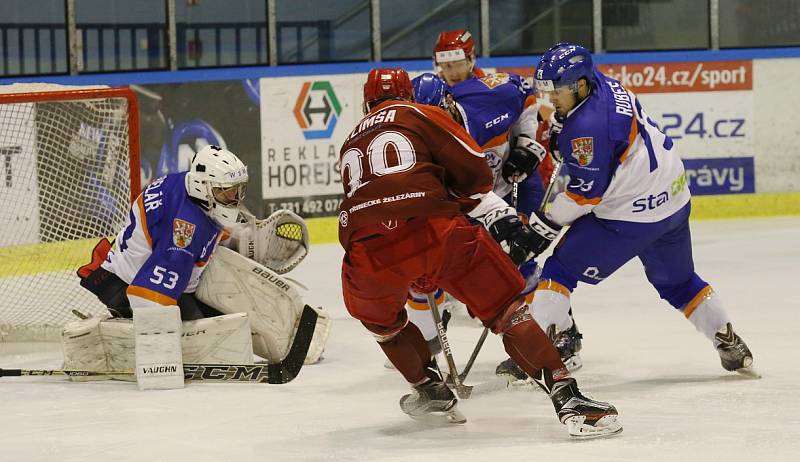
282 372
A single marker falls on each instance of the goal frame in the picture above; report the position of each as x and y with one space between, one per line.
95 93
49 332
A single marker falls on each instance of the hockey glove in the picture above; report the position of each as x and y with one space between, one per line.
556 125
545 231
521 242
523 159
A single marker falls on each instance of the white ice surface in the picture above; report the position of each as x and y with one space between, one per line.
675 401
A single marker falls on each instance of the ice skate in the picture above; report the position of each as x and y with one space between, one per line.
568 343
514 374
585 418
432 402
734 353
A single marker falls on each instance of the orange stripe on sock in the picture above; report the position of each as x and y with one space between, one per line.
549 284
697 300
529 297
423 306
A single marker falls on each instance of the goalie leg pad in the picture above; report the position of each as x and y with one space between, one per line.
159 364
218 340
83 348
99 344
232 283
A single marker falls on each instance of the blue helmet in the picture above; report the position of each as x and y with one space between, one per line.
429 89
563 64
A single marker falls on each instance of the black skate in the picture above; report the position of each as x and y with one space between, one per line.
733 352
432 402
514 374
568 343
584 417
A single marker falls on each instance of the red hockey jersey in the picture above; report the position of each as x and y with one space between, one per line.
406 160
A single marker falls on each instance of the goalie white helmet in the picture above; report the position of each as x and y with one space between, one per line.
217 180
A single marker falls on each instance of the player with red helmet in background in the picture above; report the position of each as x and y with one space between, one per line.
410 174
454 57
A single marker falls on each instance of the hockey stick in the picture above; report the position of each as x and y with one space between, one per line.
463 391
283 372
514 197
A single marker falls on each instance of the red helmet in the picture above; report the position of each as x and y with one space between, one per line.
387 83
454 45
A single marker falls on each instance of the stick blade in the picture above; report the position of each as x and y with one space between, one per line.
290 366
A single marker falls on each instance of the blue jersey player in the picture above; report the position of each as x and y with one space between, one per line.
627 197
171 232
500 112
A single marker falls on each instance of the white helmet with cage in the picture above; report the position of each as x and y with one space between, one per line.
217 180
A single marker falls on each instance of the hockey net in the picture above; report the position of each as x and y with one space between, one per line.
69 169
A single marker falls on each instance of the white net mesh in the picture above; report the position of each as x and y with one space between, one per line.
65 181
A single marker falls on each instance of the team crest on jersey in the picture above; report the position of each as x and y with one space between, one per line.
494 80
583 150
182 232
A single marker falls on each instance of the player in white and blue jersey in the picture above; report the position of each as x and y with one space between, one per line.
627 197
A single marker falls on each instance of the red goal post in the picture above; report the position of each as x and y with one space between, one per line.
69 169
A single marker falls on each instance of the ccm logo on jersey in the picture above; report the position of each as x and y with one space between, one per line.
496 120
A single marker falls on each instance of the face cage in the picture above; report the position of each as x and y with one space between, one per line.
224 215
222 194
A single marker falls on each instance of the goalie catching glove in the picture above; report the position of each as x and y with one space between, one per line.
520 241
278 242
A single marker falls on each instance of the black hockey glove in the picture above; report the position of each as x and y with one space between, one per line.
556 125
545 231
520 241
523 159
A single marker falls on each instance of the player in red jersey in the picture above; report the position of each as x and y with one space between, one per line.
410 174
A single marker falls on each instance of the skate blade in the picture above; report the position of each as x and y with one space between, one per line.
513 381
607 426
573 363
749 372
450 417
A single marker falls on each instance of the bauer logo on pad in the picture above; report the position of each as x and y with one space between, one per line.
182 232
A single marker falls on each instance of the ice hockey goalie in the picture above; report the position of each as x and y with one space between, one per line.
244 281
